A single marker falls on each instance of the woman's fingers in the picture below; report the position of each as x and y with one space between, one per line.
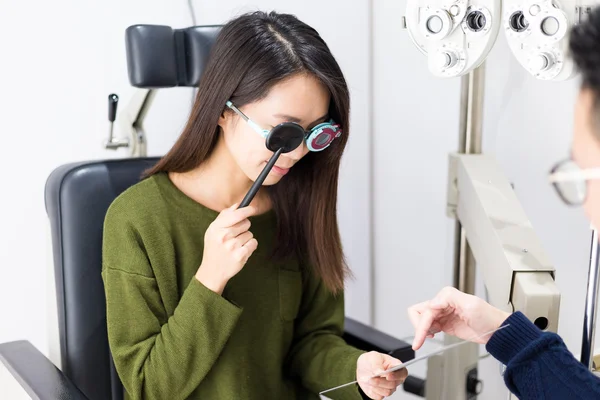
237 229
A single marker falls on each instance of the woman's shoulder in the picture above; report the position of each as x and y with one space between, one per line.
138 201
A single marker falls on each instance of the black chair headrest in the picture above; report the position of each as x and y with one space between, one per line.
161 57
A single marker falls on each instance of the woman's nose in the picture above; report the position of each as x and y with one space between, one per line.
298 152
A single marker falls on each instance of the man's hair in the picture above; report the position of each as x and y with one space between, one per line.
584 46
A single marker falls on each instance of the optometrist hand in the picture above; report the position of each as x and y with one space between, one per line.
455 313
227 246
373 363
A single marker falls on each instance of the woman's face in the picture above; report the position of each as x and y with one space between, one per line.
301 98
586 150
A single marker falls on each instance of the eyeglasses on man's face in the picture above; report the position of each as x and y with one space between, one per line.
570 181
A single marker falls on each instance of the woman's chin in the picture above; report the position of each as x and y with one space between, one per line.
272 180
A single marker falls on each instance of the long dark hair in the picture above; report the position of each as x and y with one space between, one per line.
253 53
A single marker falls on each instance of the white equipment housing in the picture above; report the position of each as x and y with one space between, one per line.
538 35
456 35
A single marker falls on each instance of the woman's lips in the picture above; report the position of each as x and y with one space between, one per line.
280 171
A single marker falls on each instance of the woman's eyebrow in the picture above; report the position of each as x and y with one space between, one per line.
298 120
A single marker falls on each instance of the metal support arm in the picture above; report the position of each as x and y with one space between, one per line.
132 117
130 120
453 375
517 272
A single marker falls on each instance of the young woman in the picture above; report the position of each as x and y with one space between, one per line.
206 300
539 365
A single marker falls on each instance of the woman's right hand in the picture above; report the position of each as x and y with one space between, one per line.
457 314
227 246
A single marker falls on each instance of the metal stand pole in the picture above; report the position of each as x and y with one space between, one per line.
470 135
470 138
453 375
589 318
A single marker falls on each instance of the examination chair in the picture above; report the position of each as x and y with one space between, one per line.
77 196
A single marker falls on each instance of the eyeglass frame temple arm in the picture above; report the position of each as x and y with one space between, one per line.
258 129
237 111
583 175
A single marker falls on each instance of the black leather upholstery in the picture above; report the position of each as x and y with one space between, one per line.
366 338
36 374
160 57
77 197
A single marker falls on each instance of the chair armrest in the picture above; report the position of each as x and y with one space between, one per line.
367 338
37 375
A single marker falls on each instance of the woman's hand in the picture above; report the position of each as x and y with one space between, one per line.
457 314
373 363
227 246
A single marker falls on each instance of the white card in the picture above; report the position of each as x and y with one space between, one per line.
421 358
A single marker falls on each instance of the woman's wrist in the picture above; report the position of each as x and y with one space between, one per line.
212 282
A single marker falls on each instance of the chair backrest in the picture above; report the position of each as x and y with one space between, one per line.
161 57
77 197
79 194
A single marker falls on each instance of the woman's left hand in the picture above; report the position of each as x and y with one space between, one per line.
373 363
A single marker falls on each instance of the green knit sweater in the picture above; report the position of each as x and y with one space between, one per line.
275 333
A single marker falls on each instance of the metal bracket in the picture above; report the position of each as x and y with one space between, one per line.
515 268
453 372
132 118
535 294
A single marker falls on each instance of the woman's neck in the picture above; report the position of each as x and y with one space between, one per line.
219 183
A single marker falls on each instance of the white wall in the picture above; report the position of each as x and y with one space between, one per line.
527 126
57 73
416 125
62 61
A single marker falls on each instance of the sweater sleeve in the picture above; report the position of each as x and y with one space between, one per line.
158 355
539 365
320 357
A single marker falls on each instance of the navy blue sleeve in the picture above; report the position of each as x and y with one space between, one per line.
539 365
